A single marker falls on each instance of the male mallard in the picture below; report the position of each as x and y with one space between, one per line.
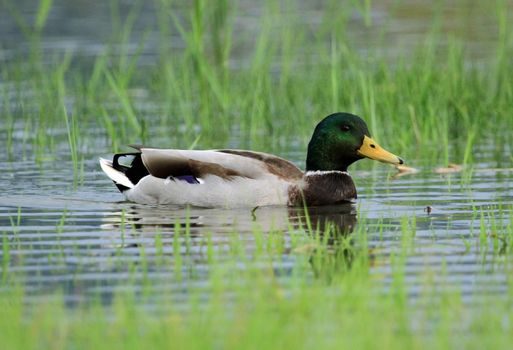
233 178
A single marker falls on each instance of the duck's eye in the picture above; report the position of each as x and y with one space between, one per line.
345 128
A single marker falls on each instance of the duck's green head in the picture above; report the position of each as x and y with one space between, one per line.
341 139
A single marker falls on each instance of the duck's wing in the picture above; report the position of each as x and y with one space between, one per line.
275 165
223 163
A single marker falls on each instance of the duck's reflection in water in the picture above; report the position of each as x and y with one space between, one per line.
328 226
139 219
335 219
333 226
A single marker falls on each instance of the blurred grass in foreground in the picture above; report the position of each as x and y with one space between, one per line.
245 298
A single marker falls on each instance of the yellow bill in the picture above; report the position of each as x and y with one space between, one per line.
372 150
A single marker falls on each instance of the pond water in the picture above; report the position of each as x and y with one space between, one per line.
81 239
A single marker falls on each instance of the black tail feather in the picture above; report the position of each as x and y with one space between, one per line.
135 171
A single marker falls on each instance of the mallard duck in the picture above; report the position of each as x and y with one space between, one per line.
235 178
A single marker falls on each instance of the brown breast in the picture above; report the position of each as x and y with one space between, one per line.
322 188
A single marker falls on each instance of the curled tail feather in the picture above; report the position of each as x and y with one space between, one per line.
124 176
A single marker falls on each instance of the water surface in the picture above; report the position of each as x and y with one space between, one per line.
77 236
81 240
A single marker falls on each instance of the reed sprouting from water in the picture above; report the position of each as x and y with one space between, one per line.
434 103
239 297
